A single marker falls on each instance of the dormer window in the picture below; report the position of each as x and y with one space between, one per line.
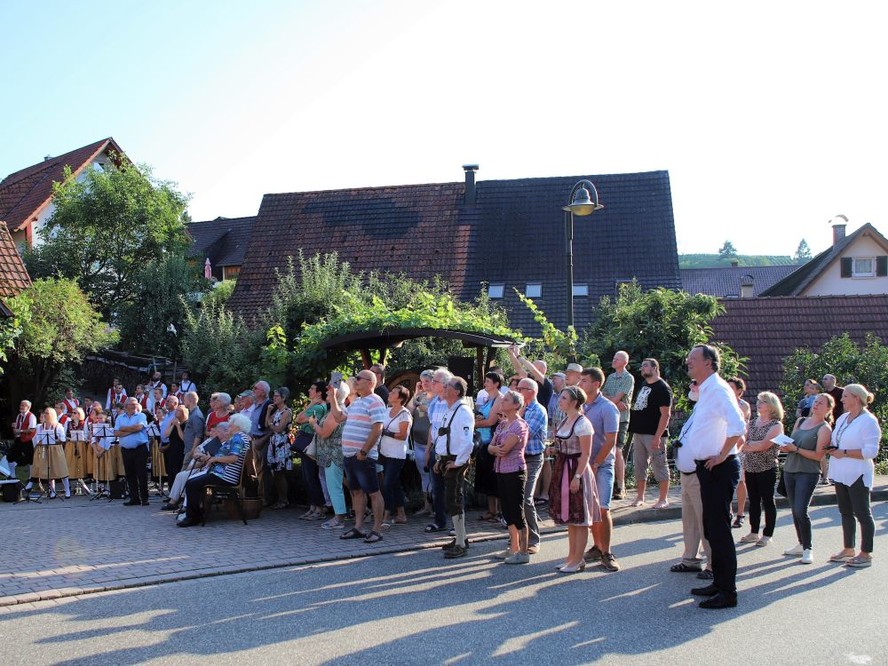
533 290
863 267
495 290
580 289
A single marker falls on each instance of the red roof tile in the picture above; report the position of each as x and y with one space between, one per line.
766 330
14 276
26 191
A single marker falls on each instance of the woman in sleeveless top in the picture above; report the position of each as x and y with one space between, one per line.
801 471
278 452
328 437
486 418
419 434
760 467
573 493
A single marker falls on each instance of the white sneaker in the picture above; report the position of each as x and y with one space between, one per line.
794 551
752 537
503 554
807 556
764 541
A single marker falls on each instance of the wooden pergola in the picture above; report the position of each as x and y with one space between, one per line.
366 341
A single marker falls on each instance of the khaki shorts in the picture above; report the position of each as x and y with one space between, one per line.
644 455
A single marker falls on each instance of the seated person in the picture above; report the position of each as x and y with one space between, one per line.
210 447
224 468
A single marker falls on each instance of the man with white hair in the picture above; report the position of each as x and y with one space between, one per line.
260 433
618 388
192 434
536 370
437 406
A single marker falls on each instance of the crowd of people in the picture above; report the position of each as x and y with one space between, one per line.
536 439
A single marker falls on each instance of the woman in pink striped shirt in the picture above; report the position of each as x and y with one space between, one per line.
507 447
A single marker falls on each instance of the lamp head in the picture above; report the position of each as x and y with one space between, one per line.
584 203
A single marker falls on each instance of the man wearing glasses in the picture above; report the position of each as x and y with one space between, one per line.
452 434
130 428
537 422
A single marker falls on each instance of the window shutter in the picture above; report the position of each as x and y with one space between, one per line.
846 267
882 266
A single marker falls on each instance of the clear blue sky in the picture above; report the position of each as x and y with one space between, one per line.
770 117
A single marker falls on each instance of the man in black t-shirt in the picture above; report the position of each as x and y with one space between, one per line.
650 418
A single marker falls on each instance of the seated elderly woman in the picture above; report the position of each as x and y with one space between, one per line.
218 436
225 467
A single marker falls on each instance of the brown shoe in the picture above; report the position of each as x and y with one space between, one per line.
609 562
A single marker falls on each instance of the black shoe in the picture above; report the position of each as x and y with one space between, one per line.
618 493
169 506
720 601
708 591
452 544
188 522
132 503
456 551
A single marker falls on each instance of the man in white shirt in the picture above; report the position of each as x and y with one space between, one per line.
711 439
452 434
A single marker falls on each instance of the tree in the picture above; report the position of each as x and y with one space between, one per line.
727 250
59 329
803 253
153 321
661 324
106 227
10 329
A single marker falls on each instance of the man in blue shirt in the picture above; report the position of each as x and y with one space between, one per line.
605 418
537 425
130 429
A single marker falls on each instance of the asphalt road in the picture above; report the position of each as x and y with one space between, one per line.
415 608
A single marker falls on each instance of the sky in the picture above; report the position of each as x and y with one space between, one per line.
770 117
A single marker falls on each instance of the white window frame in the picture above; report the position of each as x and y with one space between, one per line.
580 290
496 290
856 273
533 290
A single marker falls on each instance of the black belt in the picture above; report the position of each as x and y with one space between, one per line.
532 455
688 473
727 458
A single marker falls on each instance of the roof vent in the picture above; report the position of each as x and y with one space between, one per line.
735 263
470 196
46 158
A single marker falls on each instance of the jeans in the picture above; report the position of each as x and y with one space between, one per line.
420 455
799 491
854 502
717 488
534 467
391 482
334 488
760 487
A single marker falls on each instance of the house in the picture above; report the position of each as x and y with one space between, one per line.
497 235
855 265
733 281
14 276
26 195
223 241
766 330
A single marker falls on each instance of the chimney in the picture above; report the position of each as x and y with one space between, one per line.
46 158
470 170
838 233
747 286
735 263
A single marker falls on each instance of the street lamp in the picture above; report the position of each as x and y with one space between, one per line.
583 201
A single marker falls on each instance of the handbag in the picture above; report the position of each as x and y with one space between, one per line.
301 442
312 449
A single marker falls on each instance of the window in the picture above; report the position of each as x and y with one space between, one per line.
580 289
495 290
533 290
863 267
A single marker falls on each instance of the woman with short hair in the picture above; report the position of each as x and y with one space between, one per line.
760 466
486 417
328 438
393 454
277 455
507 448
854 446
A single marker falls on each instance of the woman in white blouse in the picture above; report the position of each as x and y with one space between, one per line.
49 454
855 443
393 454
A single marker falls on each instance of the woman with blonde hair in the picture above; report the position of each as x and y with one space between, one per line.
854 445
49 455
810 437
760 466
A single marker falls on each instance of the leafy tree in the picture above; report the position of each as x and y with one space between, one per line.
661 324
850 362
556 347
153 321
803 253
221 292
10 329
60 327
727 250
106 227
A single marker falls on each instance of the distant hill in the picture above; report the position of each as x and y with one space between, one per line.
715 261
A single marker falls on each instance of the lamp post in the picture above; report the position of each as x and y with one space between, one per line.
583 201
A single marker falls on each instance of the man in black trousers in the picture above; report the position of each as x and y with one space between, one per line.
712 437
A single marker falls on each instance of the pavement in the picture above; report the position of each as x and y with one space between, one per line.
68 548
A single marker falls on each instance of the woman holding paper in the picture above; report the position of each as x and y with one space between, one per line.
801 471
760 466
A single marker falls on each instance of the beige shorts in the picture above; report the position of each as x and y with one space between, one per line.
643 455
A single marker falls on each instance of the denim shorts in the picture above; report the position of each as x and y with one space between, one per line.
604 479
361 474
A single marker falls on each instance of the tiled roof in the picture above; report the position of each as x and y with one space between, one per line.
223 240
514 234
768 329
14 276
25 192
724 281
796 283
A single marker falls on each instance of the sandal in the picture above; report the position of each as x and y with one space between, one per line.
839 558
859 562
373 537
488 517
431 527
738 521
681 567
353 533
385 525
